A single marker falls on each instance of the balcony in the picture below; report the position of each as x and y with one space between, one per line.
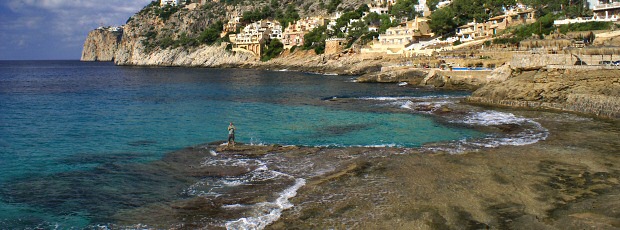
608 6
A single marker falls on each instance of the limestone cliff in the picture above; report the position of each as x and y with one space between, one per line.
101 45
157 36
595 92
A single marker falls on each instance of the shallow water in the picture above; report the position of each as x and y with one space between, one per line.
92 144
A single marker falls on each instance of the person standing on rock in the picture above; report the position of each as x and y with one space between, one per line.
231 135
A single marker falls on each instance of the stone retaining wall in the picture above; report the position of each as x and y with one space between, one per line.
538 61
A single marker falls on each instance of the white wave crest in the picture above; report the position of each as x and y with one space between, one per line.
268 212
532 132
488 118
409 98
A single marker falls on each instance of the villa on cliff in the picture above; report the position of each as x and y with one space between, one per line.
604 11
112 28
233 23
607 9
379 7
252 38
396 39
294 33
163 3
475 30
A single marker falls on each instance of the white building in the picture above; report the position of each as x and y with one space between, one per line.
443 3
163 3
422 8
253 36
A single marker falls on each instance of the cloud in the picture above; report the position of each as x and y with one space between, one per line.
58 23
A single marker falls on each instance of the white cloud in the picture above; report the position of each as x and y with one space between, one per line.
62 22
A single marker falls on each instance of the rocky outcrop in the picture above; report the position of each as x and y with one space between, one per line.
595 92
411 76
347 62
444 79
101 45
203 56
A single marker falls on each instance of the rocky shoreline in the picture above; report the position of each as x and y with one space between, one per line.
568 181
550 184
591 92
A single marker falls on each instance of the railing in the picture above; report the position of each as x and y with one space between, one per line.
608 5
613 18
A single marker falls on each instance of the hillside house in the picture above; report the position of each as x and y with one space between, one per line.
163 3
380 6
294 33
254 36
395 39
475 30
607 9
233 23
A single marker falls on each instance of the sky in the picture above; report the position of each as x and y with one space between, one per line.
56 29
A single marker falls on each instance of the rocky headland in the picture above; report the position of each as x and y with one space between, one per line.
101 45
593 92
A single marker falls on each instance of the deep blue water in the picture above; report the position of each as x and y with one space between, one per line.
54 112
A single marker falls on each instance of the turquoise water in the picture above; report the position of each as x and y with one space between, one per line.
67 116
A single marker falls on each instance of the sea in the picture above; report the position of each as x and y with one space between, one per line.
82 143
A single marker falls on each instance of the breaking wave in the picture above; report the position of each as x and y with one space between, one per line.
257 172
521 130
266 213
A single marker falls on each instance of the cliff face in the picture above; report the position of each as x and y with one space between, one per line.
204 56
146 32
595 92
101 45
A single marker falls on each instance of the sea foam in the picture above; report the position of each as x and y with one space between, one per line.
268 212
531 132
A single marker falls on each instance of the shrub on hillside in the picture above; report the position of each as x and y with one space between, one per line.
273 49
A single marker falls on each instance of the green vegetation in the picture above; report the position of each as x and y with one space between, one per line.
332 6
165 12
445 20
589 26
566 8
273 49
404 8
284 17
342 23
290 15
432 4
356 31
257 14
149 7
209 36
442 22
315 39
232 2
543 27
